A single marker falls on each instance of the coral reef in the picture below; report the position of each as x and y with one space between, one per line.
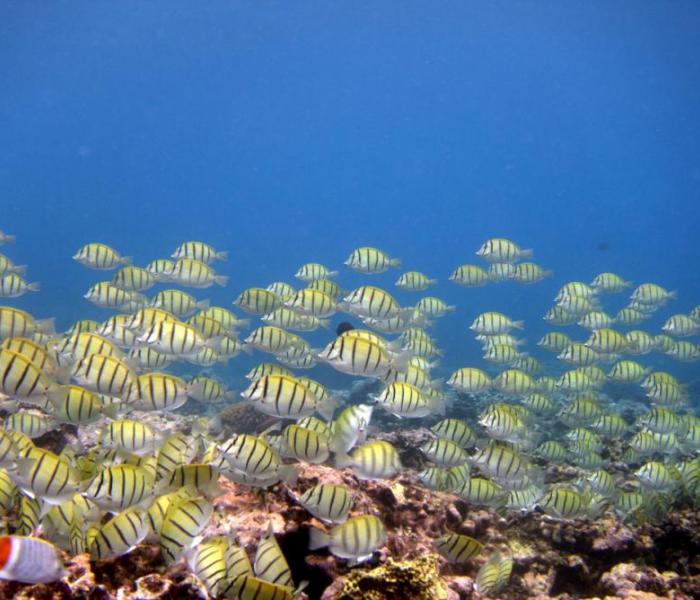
418 579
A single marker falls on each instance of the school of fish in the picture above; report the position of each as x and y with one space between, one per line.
138 485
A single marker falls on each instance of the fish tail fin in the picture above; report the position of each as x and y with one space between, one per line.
126 260
327 408
342 459
19 269
318 539
525 253
202 304
221 280
46 325
519 324
673 294
289 475
9 239
332 274
221 255
34 286
325 323
395 262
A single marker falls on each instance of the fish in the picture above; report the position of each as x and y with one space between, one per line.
310 272
21 378
470 276
254 457
355 540
129 435
29 560
284 396
249 587
494 574
458 548
207 560
350 427
104 374
120 535
118 487
501 250
159 391
13 285
408 401
106 295
200 251
372 460
312 303
414 281
492 323
101 257
257 301
270 563
369 260
133 279
305 444
179 303
42 474
444 452
328 502
191 272
182 524
358 356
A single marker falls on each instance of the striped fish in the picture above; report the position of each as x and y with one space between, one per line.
174 338
328 502
195 273
176 449
179 303
310 272
458 548
74 404
257 301
444 452
103 374
208 562
120 535
356 539
270 563
100 256
20 377
305 444
367 259
470 276
43 474
312 303
373 302
132 436
199 251
119 487
414 281
494 574
31 424
133 279
248 587
283 396
182 524
373 460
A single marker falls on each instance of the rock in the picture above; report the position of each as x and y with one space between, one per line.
628 580
417 579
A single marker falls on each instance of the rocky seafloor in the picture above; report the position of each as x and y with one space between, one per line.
582 558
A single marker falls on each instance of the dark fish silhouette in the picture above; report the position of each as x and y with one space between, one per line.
343 327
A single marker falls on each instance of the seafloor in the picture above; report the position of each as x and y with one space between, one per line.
583 558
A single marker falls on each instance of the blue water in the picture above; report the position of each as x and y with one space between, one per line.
287 132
